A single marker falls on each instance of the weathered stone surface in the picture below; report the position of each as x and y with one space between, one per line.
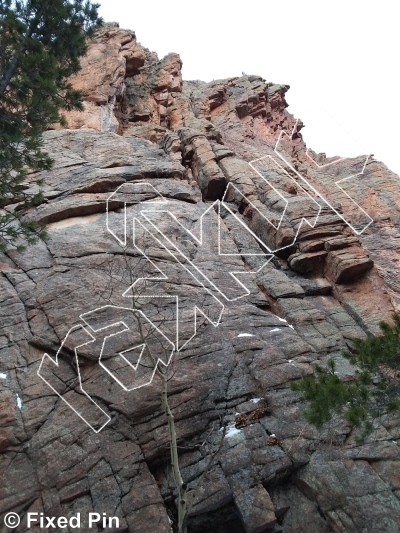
198 151
350 494
315 286
307 262
278 285
190 143
388 471
256 509
110 59
296 512
347 264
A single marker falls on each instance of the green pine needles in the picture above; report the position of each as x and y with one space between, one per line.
374 391
41 42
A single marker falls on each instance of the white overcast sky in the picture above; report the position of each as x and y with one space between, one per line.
341 59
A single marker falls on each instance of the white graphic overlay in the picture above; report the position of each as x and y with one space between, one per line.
324 182
123 339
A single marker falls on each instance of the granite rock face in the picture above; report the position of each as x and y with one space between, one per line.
314 265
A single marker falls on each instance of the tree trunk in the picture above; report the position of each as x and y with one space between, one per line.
183 504
12 67
5 80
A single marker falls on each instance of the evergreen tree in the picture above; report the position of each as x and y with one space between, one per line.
374 391
41 42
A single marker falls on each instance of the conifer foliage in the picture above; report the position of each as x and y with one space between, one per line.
374 391
41 42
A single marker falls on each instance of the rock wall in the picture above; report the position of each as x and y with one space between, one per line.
314 266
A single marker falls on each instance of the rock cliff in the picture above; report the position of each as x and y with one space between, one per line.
252 255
